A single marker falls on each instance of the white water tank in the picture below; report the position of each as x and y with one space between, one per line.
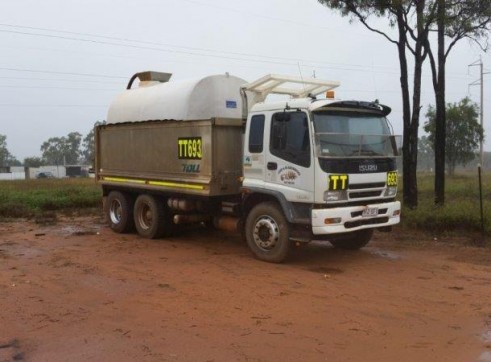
215 96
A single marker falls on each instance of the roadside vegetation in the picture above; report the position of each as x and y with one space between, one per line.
461 212
31 198
460 215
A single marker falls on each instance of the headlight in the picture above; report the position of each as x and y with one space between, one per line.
339 195
390 191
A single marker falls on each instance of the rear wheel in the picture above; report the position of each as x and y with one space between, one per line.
268 232
354 240
119 212
152 219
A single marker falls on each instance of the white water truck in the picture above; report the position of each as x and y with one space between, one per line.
216 151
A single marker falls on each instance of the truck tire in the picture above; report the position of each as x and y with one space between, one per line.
120 212
151 217
354 240
268 233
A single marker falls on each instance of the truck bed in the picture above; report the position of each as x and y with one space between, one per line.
202 157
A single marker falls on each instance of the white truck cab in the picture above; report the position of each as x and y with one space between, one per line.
329 163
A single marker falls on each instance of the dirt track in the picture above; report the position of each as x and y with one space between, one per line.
75 291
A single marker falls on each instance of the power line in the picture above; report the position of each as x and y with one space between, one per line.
51 105
267 17
63 88
61 80
190 49
62 73
287 61
139 41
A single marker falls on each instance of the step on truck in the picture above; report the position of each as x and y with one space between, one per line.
282 170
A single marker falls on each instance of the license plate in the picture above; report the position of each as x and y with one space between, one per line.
370 212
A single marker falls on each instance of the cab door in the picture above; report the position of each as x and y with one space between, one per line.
254 149
289 156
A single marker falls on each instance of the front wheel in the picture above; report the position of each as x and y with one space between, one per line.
268 232
152 218
354 240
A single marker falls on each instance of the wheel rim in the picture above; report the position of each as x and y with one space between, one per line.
145 217
266 233
116 211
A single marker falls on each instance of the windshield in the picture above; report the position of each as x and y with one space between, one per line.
353 134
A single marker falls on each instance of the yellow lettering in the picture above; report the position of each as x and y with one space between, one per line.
199 154
392 178
182 148
194 148
334 182
343 179
189 148
338 182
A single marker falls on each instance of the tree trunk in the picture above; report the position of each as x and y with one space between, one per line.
440 110
410 191
414 124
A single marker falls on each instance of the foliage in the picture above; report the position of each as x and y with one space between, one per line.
416 20
6 158
426 156
88 146
461 212
33 161
88 151
62 150
413 30
27 198
463 132
454 21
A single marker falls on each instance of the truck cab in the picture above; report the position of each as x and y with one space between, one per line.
328 165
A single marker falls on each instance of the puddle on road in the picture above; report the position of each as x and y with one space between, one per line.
486 336
325 270
11 249
72 230
385 254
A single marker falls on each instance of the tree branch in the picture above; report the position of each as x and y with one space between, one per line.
361 18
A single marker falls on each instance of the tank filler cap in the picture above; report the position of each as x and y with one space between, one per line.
149 76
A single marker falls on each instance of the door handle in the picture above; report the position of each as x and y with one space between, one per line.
272 165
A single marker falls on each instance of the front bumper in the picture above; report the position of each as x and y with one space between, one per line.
351 218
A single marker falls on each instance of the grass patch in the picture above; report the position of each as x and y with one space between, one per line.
28 198
461 212
460 215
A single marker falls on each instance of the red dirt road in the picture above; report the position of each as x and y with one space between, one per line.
75 291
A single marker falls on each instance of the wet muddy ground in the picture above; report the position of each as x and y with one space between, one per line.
75 291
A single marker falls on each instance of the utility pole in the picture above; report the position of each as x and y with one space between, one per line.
480 82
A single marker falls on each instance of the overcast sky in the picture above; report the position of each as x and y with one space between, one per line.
64 60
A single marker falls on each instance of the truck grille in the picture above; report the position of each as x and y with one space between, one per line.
359 195
365 191
366 186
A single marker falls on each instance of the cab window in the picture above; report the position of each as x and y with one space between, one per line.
256 134
290 137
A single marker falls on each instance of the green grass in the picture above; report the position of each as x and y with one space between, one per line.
461 212
28 198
